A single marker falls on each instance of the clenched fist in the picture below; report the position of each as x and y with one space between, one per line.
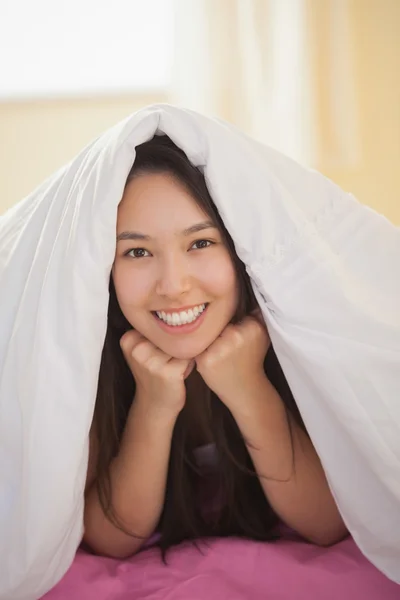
160 379
234 362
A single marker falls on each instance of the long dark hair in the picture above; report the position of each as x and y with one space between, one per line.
245 511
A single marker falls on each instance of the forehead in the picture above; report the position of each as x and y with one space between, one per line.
157 204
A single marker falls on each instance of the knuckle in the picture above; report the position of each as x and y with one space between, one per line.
210 361
237 338
129 339
153 365
140 351
126 342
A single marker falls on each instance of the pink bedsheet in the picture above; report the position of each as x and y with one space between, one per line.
229 570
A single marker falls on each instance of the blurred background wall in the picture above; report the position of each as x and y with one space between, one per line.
316 79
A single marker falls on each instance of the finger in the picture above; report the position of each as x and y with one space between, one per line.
135 346
181 366
226 330
129 340
145 351
189 368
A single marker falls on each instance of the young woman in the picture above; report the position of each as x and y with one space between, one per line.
196 433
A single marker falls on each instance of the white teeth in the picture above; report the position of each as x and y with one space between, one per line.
183 317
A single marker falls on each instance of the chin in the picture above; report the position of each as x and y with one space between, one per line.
184 353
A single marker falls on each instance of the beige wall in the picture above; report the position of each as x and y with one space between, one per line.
39 137
372 169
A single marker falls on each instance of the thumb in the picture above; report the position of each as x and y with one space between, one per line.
189 368
129 340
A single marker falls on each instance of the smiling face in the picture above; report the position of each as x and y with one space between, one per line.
173 275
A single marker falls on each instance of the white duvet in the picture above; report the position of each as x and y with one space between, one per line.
326 272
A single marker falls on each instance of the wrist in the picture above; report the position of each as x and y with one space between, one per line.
248 398
146 427
154 413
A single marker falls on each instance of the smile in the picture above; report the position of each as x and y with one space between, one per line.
181 318
183 321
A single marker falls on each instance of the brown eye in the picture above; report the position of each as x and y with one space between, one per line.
202 244
137 253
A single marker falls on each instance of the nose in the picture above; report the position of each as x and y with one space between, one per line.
174 278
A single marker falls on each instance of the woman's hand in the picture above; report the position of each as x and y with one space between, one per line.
160 379
234 363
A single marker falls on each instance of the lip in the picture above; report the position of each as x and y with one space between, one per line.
181 329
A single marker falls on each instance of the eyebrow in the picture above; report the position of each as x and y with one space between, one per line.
135 235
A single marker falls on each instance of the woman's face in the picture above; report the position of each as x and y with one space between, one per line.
173 276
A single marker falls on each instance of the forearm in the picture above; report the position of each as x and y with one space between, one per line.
138 478
289 469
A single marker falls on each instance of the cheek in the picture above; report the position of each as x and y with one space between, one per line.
131 289
220 277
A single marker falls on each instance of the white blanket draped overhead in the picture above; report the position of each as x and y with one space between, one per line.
326 273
